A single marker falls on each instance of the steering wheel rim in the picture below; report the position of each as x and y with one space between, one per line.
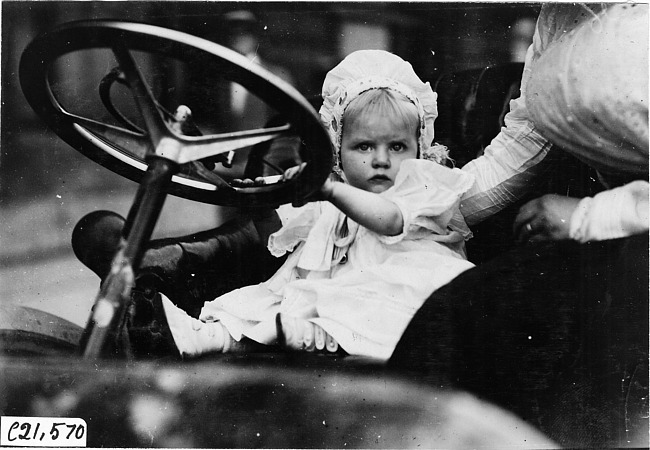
120 36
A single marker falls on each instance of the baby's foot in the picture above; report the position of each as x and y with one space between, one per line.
192 336
303 335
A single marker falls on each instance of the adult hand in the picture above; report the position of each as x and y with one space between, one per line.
547 218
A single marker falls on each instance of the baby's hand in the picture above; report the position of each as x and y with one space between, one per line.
326 189
292 172
324 193
248 182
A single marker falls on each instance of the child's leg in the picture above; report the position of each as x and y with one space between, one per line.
194 337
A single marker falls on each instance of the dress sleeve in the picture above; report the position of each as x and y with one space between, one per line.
428 195
516 156
612 214
287 212
296 226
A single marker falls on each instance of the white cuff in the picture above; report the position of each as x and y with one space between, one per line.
612 214
577 230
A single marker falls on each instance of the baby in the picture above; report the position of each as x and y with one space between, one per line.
384 232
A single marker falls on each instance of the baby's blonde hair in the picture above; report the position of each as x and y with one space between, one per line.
383 101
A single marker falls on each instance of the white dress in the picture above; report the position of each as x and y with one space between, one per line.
361 287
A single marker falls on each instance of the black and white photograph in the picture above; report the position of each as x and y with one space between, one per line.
319 224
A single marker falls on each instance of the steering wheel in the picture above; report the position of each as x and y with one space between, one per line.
126 145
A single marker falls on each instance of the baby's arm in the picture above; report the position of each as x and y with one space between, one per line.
366 208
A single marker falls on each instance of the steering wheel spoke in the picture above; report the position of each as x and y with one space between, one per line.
198 170
137 144
144 99
115 75
206 146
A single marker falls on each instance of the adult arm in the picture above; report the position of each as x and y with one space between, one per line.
512 161
611 214
519 154
591 97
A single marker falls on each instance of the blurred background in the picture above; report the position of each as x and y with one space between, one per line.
46 186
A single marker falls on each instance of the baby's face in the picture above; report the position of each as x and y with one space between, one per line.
373 148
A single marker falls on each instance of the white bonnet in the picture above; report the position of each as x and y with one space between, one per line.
363 70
